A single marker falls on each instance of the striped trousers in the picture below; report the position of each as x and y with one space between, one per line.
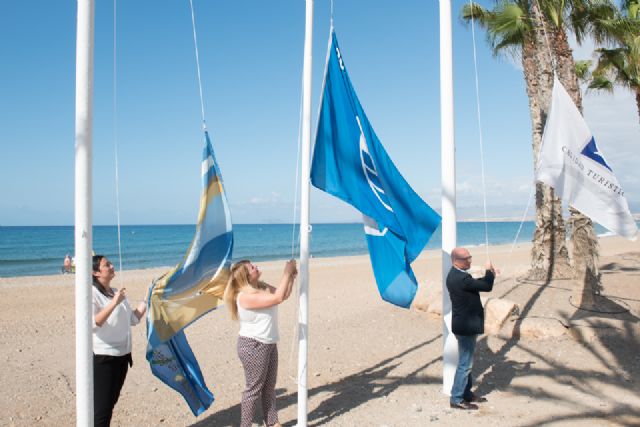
260 363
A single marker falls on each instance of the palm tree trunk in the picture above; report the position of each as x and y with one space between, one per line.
584 241
549 255
638 100
566 66
585 259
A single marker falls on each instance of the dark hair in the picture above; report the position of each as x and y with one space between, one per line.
96 268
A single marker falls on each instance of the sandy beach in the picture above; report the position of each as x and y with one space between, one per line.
370 363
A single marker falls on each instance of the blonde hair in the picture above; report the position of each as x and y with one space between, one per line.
238 280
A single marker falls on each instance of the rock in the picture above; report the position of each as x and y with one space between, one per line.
535 327
429 298
496 313
583 334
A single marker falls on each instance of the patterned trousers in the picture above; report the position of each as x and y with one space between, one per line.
260 363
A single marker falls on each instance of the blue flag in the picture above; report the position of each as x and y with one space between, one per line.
191 289
350 163
174 364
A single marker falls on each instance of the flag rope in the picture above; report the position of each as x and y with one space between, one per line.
479 117
195 43
295 197
546 38
294 376
115 143
515 240
480 137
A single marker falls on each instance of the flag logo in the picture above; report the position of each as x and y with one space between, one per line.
370 172
591 151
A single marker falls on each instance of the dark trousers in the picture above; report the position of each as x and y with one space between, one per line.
109 373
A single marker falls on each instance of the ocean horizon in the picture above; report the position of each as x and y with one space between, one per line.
40 250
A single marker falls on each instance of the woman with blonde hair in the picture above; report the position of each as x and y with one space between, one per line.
255 305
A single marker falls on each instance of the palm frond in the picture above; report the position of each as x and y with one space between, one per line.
601 83
583 69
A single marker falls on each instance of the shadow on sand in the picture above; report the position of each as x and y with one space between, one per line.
343 395
610 337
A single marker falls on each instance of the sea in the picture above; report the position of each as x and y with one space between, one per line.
33 251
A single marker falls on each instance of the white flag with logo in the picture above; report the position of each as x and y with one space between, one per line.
571 163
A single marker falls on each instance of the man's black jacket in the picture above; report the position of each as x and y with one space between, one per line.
467 311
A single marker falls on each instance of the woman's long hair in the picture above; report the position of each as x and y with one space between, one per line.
238 280
96 268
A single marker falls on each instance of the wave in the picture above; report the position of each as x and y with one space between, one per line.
9 262
607 234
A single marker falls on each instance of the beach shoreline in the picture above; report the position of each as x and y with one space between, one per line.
370 363
159 270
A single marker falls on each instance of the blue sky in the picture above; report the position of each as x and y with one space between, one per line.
251 63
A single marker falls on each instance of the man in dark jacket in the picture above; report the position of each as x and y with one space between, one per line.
467 322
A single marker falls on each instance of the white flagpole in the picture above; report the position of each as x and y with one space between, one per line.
304 218
450 348
83 235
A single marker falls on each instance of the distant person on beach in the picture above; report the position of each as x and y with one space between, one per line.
66 264
255 305
113 318
467 323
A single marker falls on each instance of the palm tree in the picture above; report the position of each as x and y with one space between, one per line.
511 30
621 64
582 17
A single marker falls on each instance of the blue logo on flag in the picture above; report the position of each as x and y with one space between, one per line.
591 151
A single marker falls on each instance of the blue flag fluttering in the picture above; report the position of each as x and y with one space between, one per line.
350 163
190 290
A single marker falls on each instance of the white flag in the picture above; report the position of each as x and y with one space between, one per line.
571 163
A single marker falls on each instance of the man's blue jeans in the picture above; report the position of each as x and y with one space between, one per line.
461 389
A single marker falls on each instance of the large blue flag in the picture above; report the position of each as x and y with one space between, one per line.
191 289
350 163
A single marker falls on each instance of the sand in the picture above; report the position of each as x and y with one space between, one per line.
370 363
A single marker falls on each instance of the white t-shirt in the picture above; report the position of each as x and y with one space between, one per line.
261 324
113 338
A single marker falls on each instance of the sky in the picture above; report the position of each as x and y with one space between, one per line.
146 100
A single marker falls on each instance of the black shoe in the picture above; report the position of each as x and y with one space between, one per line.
476 399
464 405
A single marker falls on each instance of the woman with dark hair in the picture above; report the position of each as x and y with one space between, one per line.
255 305
112 321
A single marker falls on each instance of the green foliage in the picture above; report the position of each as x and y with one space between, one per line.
620 64
583 70
507 25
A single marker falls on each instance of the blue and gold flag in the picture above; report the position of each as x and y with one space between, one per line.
350 163
193 288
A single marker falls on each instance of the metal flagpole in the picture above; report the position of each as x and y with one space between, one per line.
450 349
304 218
83 236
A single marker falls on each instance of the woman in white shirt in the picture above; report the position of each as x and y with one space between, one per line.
255 305
113 318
